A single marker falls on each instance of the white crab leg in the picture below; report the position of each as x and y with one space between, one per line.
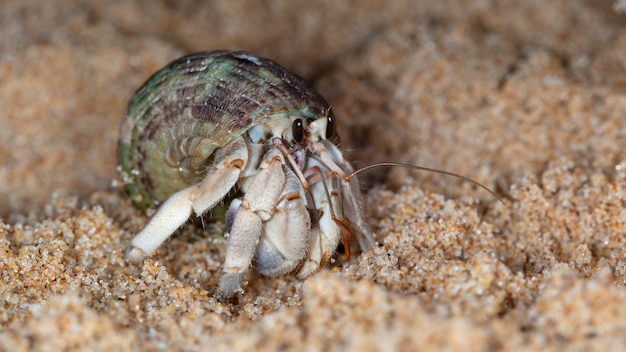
229 163
285 236
338 202
351 206
259 201
197 198
352 209
323 238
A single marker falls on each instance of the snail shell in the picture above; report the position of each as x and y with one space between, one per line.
195 105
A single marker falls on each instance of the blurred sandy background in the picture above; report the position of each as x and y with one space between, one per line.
525 97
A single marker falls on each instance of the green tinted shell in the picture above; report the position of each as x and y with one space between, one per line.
195 105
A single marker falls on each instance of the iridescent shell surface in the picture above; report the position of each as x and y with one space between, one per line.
195 105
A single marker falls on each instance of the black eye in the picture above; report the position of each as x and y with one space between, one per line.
297 130
330 126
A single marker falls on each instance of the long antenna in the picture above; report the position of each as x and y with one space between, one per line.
423 168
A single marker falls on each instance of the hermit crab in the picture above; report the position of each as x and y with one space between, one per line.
215 124
230 127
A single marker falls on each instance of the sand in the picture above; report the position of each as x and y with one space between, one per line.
525 97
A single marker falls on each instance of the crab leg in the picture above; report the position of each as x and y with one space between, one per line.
257 206
197 198
323 238
285 236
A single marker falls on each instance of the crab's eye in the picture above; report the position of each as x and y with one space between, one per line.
330 126
297 130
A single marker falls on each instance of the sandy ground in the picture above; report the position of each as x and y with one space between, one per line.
525 97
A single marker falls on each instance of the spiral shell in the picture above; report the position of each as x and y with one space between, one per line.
195 105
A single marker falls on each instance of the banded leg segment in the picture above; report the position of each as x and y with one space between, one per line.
260 197
198 198
285 237
338 199
323 238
